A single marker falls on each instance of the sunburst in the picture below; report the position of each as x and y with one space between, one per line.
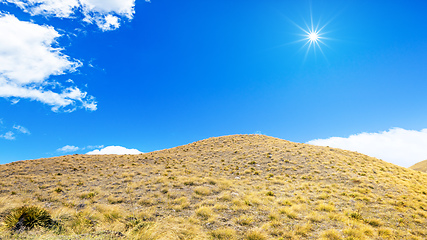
313 35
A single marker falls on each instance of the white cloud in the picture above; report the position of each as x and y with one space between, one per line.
94 147
28 59
21 129
9 135
16 129
27 54
398 146
114 150
104 13
57 8
68 148
110 22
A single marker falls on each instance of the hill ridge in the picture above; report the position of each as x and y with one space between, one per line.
233 186
421 166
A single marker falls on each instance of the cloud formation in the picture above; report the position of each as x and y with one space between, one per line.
106 14
114 150
398 146
8 136
28 58
21 129
68 148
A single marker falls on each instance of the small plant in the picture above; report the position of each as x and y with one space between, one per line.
145 201
244 220
28 217
326 207
270 193
384 232
355 215
353 233
255 235
284 202
115 200
223 234
331 234
87 195
82 223
204 212
203 191
323 196
164 190
314 217
288 212
303 230
374 222
112 216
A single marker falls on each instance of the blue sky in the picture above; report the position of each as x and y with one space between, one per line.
154 75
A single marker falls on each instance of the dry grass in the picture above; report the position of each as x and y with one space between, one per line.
234 187
421 166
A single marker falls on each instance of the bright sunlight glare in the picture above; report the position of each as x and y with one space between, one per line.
313 36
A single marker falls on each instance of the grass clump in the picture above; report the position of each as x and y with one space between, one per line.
270 193
115 200
202 191
331 234
326 207
303 230
82 222
255 235
87 195
223 234
353 233
244 220
374 222
28 217
204 212
289 212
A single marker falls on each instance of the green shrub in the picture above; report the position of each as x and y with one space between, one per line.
28 217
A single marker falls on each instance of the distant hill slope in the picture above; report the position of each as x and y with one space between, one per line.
231 187
421 166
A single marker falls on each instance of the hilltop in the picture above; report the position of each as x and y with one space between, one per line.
421 166
232 187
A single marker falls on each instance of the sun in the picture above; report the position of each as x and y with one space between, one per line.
313 35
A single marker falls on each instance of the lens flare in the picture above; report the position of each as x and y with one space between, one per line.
313 36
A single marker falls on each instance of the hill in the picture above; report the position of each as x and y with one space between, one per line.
232 187
421 166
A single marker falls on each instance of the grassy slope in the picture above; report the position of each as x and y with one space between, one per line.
232 187
421 166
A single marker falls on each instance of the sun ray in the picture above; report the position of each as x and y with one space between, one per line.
313 35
